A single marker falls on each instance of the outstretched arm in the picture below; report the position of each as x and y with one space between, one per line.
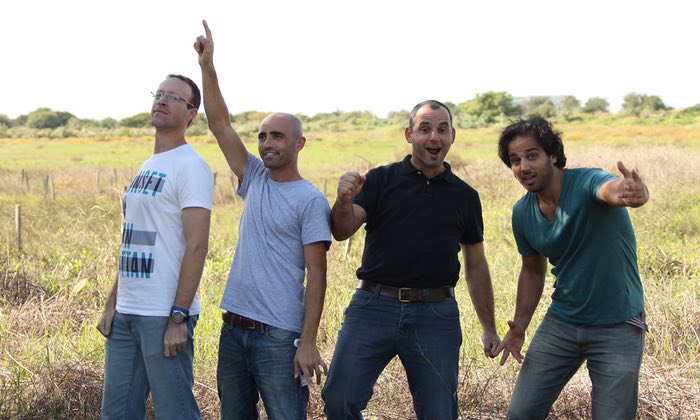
481 292
215 107
530 285
628 191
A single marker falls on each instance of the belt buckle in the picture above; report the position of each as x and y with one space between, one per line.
401 291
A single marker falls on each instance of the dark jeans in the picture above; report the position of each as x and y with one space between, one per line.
425 336
259 360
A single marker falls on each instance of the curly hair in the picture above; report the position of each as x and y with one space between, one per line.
540 129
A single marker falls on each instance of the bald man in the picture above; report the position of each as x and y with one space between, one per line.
268 337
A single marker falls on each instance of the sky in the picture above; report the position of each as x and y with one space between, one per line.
102 58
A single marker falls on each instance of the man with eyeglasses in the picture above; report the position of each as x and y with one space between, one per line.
267 345
152 309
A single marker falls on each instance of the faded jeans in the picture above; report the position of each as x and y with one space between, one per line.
613 354
135 365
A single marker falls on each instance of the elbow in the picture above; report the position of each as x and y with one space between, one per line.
199 249
340 236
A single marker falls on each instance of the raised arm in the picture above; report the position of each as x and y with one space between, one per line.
530 286
628 191
215 107
478 278
307 359
195 224
347 217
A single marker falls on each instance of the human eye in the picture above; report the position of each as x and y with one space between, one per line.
532 156
172 97
158 95
262 137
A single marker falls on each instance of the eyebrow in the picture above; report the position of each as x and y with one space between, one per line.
526 151
272 133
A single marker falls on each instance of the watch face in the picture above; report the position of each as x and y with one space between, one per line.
177 317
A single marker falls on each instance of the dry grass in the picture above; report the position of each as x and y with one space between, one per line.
51 294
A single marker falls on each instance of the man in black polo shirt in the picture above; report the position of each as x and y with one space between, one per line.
419 215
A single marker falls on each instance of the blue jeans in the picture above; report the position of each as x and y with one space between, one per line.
613 354
135 365
425 336
259 360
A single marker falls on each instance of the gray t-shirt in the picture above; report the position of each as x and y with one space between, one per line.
266 282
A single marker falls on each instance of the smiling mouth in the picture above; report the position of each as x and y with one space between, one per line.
433 151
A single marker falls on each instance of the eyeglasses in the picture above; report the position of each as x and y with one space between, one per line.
171 97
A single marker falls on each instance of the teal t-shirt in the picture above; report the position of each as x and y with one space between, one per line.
591 246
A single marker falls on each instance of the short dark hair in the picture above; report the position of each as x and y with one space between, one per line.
196 98
538 128
433 105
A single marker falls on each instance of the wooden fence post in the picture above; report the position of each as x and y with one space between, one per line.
348 246
18 226
52 188
25 181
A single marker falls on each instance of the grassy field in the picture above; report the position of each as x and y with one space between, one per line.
53 290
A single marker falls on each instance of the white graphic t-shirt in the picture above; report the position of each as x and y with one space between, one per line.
153 241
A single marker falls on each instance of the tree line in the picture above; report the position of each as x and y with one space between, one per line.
484 109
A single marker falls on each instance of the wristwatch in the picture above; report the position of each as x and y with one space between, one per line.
178 316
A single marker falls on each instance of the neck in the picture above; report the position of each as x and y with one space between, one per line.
429 171
285 174
550 195
168 140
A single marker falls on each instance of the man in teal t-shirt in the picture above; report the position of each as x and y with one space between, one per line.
576 219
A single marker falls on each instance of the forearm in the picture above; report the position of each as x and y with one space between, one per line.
190 275
214 104
343 223
530 288
481 294
313 304
112 297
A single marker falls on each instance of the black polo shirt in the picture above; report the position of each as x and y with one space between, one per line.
415 225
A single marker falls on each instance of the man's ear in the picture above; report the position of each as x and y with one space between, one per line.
408 133
301 141
194 113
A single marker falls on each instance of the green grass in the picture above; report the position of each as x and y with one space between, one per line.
52 293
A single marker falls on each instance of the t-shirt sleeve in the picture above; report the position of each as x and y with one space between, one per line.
253 169
593 179
524 247
316 222
195 185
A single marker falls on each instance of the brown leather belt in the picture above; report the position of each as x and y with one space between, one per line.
241 321
407 294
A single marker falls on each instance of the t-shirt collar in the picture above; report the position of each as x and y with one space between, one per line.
407 168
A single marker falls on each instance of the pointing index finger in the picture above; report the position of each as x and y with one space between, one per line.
207 31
